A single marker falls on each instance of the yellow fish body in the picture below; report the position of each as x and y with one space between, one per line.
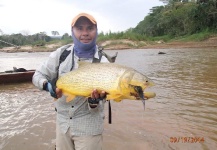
120 82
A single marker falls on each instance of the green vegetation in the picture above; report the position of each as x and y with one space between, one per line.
178 19
189 20
195 37
39 39
185 21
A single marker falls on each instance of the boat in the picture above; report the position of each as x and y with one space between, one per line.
16 76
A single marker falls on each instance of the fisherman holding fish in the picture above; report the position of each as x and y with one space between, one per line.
79 123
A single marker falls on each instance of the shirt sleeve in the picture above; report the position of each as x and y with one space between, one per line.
48 70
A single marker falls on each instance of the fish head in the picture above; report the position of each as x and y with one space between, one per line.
135 84
140 80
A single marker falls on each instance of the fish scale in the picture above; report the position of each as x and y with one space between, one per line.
117 80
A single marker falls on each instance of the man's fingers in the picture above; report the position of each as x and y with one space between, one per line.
102 94
59 93
95 94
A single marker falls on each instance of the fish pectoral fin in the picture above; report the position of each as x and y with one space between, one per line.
70 97
148 95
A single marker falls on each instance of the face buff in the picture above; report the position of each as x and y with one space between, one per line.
84 50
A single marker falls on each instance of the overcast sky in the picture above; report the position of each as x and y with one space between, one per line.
37 16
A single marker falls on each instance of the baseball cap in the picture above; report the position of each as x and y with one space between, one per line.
88 16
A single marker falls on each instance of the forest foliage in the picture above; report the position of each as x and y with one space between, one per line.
191 19
179 18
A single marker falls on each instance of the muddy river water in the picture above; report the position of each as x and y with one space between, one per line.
183 115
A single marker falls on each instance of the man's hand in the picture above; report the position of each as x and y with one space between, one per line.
95 98
50 86
59 93
95 94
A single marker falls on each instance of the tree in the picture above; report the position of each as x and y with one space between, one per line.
179 18
42 35
25 32
55 33
1 32
169 1
65 36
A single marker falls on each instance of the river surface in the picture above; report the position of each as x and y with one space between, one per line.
183 115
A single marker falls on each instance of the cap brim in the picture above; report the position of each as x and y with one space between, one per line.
91 18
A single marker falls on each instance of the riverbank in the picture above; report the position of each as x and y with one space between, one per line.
124 44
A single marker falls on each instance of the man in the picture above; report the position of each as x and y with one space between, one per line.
79 123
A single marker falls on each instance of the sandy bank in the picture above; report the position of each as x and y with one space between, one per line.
123 44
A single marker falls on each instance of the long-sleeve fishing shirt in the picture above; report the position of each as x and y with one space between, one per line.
76 114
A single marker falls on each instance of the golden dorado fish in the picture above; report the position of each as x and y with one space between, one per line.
119 82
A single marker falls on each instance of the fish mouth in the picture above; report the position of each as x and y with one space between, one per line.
139 92
135 95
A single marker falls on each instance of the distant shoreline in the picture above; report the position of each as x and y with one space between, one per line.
124 44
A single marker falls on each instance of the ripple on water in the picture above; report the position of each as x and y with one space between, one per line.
185 105
25 114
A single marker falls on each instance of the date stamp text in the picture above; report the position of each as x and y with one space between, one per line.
187 140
